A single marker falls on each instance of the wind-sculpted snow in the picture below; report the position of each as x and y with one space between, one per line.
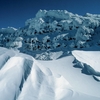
13 73
89 62
24 78
80 82
40 86
10 78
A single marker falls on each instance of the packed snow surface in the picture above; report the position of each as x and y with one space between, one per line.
24 78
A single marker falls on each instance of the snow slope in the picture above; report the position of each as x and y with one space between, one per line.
89 57
24 78
80 82
51 35
91 62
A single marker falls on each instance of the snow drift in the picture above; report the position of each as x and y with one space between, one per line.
24 78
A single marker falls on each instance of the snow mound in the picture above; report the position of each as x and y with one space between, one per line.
65 67
40 86
14 71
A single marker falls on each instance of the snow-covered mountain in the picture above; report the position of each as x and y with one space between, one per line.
54 29
53 34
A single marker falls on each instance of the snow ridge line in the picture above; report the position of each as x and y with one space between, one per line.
86 68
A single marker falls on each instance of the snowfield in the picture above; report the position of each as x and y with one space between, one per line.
24 78
55 56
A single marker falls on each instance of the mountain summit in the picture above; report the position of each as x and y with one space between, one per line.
55 29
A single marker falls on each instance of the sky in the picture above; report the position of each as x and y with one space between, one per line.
14 13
